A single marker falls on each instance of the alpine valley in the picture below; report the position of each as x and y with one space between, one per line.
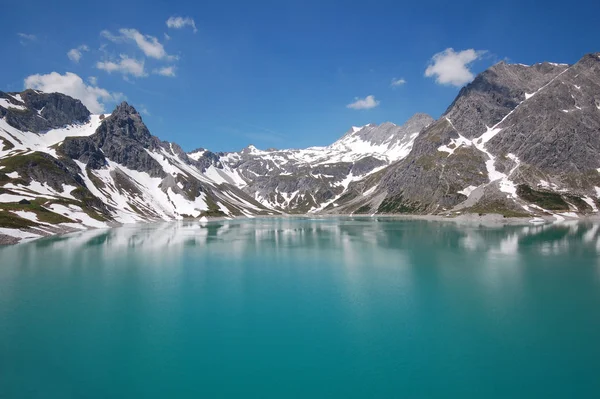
519 141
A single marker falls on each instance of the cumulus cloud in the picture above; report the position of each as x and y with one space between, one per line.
363 103
149 45
181 22
92 97
398 82
165 71
125 66
75 54
452 68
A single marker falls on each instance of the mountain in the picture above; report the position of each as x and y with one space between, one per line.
519 141
312 179
62 169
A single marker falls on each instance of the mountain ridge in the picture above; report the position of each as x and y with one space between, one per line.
518 140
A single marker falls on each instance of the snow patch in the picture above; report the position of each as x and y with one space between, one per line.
7 104
14 198
76 215
454 144
591 203
506 185
467 191
27 215
17 233
196 155
369 191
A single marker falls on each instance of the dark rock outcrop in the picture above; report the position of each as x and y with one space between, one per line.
39 112
122 137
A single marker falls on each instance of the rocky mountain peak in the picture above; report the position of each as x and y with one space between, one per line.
122 137
125 109
38 112
251 149
418 121
495 92
388 132
125 121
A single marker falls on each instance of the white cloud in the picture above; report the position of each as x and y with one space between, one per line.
364 103
165 71
452 68
93 80
143 110
25 37
126 66
149 45
92 97
75 54
398 82
180 22
113 38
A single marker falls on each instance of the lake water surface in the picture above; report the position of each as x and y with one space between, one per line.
299 308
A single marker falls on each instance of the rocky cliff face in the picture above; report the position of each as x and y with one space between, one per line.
123 138
515 136
37 112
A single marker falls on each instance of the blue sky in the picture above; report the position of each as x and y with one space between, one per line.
279 73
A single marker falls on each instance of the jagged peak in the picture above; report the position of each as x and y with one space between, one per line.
251 148
125 108
419 115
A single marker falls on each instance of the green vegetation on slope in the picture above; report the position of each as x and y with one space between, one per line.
396 204
544 199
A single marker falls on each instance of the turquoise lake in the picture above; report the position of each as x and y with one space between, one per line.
301 308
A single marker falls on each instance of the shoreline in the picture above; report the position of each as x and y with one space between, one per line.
488 220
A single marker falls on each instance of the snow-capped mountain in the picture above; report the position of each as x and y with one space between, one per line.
62 168
519 140
312 179
97 170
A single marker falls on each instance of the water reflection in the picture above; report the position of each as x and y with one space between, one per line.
350 235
